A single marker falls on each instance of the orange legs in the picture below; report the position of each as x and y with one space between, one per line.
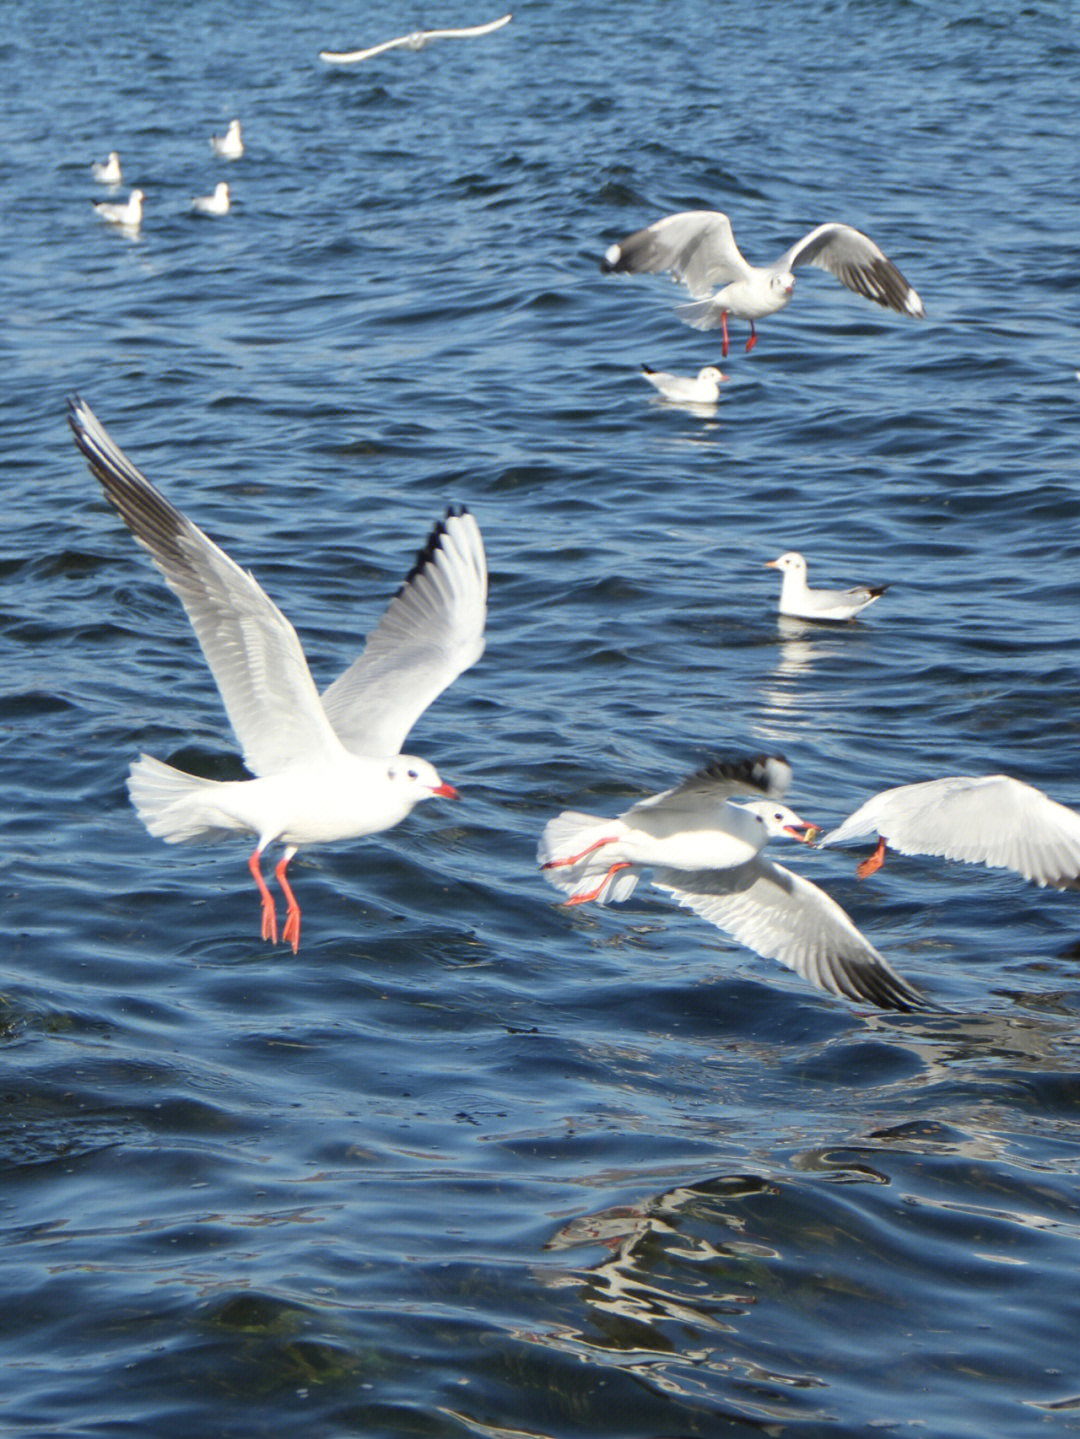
873 864
584 898
291 933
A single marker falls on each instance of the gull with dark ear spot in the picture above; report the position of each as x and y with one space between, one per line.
326 768
700 389
705 850
799 601
698 248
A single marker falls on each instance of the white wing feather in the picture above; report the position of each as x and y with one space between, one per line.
697 246
431 632
782 916
993 820
251 648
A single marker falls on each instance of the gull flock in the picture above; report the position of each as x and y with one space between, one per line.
329 766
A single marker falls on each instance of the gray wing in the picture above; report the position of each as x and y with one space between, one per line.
431 632
782 916
697 246
992 819
700 795
251 648
857 263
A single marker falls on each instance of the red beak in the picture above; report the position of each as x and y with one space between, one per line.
447 791
809 833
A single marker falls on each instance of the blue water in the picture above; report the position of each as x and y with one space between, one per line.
472 1164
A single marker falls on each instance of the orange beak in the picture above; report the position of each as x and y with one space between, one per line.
447 791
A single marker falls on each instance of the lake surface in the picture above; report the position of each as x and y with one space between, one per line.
471 1164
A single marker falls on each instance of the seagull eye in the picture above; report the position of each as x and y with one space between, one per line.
413 774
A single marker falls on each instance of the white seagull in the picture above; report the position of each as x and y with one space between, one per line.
706 852
990 819
802 603
108 172
128 216
700 389
697 246
229 146
326 768
215 204
416 40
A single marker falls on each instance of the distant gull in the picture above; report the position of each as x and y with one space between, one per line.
215 204
229 146
798 600
993 820
127 216
699 249
327 768
414 41
706 852
701 389
108 172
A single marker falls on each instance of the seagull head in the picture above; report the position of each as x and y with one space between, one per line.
784 283
419 778
780 822
792 561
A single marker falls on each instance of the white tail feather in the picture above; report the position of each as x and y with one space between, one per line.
174 805
572 834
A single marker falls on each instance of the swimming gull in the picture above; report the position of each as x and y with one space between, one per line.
108 172
215 204
699 249
416 40
128 216
700 389
229 146
798 600
990 819
706 852
326 768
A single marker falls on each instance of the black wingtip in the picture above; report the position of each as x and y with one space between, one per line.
431 546
753 770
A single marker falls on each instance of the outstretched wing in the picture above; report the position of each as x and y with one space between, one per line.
431 632
992 819
857 263
697 246
251 648
782 916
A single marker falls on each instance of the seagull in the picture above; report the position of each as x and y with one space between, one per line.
701 389
215 204
802 603
108 172
127 216
229 146
990 819
327 768
414 41
706 852
699 249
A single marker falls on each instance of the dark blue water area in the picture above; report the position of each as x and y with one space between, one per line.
471 1163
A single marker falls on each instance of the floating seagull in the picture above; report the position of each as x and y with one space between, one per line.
128 215
706 853
697 246
215 204
802 603
993 820
229 146
329 768
414 41
702 389
109 172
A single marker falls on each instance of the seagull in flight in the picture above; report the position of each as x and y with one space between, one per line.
326 767
416 40
698 248
705 850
